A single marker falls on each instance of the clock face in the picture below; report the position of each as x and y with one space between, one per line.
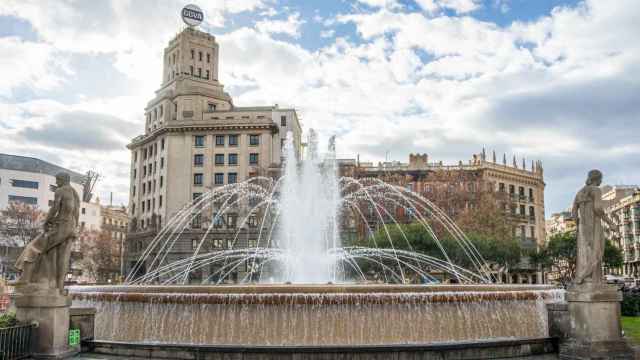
192 15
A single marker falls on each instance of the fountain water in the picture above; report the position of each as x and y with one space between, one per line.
289 230
295 222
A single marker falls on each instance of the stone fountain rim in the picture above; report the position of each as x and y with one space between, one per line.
306 288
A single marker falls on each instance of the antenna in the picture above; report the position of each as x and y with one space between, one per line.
88 185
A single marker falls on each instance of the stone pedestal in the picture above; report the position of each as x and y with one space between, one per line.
51 311
594 331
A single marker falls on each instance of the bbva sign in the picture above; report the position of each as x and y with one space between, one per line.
192 15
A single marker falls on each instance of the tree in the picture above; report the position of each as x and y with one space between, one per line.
559 256
20 223
504 252
100 256
486 219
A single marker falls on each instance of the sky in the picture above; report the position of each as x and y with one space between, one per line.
550 80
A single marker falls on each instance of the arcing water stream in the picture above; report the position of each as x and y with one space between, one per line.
295 222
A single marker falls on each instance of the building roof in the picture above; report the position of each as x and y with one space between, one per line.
34 165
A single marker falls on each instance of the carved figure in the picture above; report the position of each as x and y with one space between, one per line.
46 258
589 214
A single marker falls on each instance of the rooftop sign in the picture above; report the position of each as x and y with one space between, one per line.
192 15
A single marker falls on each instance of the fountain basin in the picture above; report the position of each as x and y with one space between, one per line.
318 315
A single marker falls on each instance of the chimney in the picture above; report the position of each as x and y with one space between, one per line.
418 161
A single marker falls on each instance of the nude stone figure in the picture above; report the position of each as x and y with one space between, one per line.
45 260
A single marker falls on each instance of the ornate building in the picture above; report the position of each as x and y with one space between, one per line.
196 139
625 212
517 190
559 223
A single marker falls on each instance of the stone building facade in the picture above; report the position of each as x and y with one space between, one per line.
626 214
196 139
560 223
518 190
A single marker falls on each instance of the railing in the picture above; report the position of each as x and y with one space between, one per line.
16 341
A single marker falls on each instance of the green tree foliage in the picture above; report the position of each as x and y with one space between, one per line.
559 256
414 237
8 319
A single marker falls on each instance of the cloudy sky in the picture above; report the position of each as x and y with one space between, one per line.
552 80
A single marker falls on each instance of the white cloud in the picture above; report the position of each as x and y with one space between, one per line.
29 64
329 33
459 6
290 26
380 3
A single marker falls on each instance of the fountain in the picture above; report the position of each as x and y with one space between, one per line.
298 285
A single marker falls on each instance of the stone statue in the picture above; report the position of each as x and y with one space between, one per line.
45 260
589 214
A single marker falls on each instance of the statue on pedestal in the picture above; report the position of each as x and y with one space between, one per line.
45 260
589 214
594 330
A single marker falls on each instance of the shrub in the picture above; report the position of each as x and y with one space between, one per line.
8 319
630 302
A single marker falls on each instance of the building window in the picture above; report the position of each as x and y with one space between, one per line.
199 55
232 220
144 188
232 178
501 187
24 184
283 120
198 159
218 222
208 57
254 140
532 212
193 54
194 243
211 107
162 144
233 159
135 173
522 210
199 140
253 221
206 76
512 189
161 110
160 201
253 159
197 179
135 156
530 194
161 181
28 200
162 163
219 159
233 140
199 72
219 178
196 195
219 140
133 191
191 70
